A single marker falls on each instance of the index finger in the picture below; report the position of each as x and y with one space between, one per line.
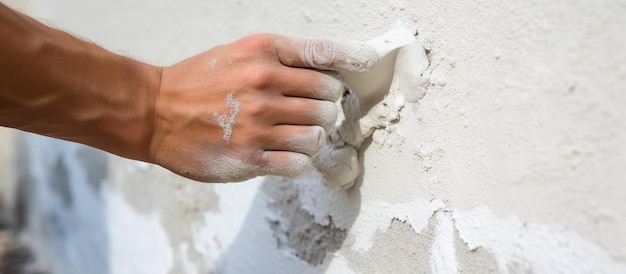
325 54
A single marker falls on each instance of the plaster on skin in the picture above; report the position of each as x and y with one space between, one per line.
311 142
224 168
227 121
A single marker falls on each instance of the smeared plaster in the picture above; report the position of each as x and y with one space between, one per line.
532 247
372 85
527 119
476 260
136 239
410 252
513 244
443 253
61 203
181 202
295 228
398 76
217 231
417 213
227 120
185 264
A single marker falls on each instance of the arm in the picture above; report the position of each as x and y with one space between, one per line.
250 108
54 84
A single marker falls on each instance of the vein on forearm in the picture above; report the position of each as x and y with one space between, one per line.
54 84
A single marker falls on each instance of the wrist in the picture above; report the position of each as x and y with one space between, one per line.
143 86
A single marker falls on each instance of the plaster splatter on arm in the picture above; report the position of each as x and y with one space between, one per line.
227 121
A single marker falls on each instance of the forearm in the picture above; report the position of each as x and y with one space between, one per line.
54 84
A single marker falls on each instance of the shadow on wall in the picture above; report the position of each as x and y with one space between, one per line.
60 211
309 222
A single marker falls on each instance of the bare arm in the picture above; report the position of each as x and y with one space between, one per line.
54 84
237 111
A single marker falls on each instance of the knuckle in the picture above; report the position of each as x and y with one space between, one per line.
319 141
299 164
320 53
259 77
258 41
255 158
259 107
332 88
328 114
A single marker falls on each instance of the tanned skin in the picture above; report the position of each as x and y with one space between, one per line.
54 84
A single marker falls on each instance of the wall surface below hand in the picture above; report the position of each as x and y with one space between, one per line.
513 161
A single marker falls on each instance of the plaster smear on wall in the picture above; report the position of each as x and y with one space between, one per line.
443 253
532 247
512 243
490 130
374 100
219 229
136 239
60 205
515 245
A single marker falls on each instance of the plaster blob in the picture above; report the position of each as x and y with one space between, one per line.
379 93
339 166
370 86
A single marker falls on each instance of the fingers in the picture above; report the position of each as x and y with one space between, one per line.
311 84
301 111
309 140
285 164
287 151
325 54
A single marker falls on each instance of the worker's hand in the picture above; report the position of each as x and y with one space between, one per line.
250 108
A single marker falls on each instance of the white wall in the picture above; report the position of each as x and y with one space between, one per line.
513 161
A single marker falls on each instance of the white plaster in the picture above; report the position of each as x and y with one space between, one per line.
138 243
227 121
340 166
443 251
238 239
409 82
321 201
378 218
524 114
532 247
402 77
182 256
339 264
377 80
218 229
59 232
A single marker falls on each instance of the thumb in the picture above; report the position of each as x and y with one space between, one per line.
325 54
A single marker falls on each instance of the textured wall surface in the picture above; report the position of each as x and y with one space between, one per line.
513 161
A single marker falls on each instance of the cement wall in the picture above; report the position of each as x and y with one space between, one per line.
513 161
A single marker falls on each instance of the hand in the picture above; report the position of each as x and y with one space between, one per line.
251 108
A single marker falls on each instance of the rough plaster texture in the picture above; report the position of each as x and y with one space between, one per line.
513 161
